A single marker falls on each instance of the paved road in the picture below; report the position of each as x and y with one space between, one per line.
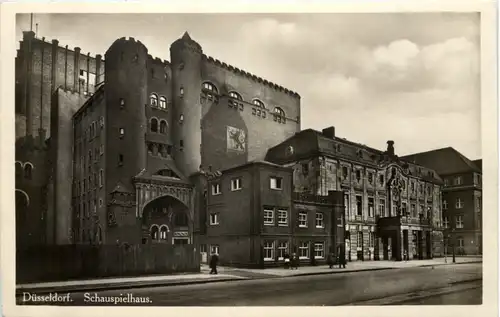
361 288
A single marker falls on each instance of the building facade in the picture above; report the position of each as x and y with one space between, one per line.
125 139
392 206
253 217
462 197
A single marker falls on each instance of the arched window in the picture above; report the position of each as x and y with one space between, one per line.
163 102
279 115
153 100
207 86
19 169
258 104
154 125
163 126
28 170
181 219
235 95
154 232
163 233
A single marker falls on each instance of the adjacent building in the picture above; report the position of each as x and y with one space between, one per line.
461 197
392 206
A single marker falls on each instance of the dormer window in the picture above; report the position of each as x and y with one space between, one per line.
235 95
279 115
258 104
207 86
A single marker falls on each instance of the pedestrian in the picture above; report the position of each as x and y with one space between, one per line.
286 257
294 261
342 261
213 263
405 255
330 260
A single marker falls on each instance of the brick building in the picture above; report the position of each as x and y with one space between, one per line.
126 133
392 205
462 197
253 217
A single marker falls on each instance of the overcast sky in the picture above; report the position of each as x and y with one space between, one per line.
409 77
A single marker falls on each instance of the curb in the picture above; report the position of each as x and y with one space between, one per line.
119 286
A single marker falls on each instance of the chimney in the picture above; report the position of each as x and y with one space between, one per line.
390 147
329 132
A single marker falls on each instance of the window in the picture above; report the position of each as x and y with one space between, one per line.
101 178
478 204
359 205
319 250
282 249
446 182
302 219
279 115
305 169
381 207
446 222
459 221
90 156
154 125
120 159
210 87
460 242
181 92
214 219
458 180
445 205
163 127
282 217
413 210
346 203
100 202
154 232
459 203
276 183
122 103
345 172
429 190
268 216
163 102
122 132
163 233
381 180
421 211
235 95
320 220
216 189
370 178
371 206
358 176
371 239
236 184
181 143
258 103
404 208
214 249
269 250
304 250
412 186
28 170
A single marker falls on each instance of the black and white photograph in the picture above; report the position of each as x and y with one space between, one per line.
250 159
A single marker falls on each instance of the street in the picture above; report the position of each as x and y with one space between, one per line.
440 285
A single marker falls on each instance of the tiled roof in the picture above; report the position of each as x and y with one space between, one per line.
444 161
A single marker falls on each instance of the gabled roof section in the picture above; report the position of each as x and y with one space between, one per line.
121 188
444 161
168 165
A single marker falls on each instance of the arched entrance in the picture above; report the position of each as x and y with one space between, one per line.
166 220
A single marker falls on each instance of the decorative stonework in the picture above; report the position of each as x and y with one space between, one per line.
145 193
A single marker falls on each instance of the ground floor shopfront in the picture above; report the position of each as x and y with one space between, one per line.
391 240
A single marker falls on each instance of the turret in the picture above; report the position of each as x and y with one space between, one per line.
126 96
186 59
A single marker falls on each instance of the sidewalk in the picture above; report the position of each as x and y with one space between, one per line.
357 266
228 274
126 282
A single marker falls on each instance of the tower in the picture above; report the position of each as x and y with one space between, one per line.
186 58
125 120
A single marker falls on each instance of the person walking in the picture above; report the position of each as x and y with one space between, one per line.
213 263
286 257
342 261
294 261
330 259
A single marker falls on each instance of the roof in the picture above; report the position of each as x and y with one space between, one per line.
444 161
147 174
478 163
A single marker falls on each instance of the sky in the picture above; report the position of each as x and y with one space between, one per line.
409 77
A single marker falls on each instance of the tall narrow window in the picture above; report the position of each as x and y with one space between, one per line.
163 102
163 127
359 205
154 125
153 100
279 115
28 168
154 232
122 132
371 206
